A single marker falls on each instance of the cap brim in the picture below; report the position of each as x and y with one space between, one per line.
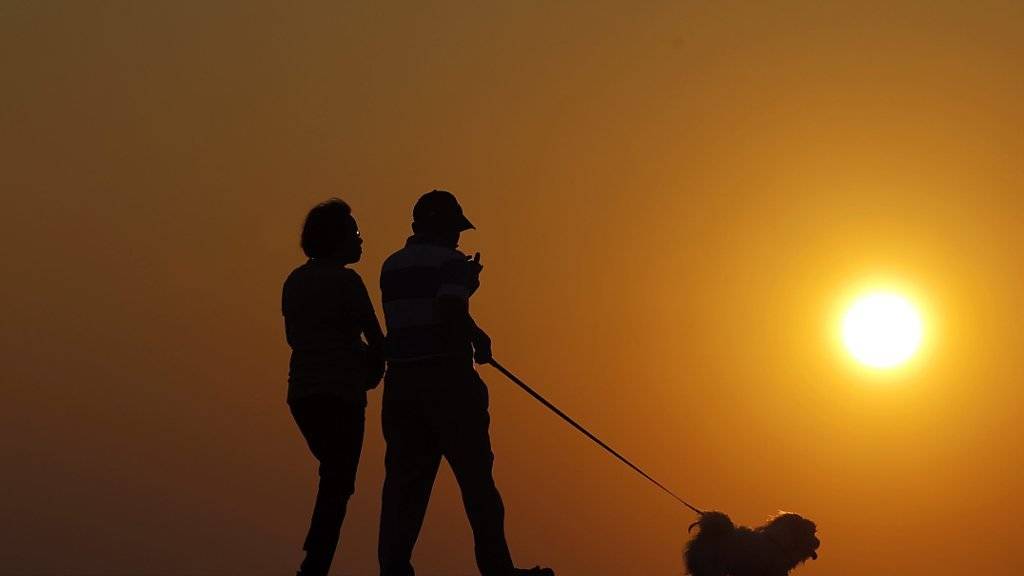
464 223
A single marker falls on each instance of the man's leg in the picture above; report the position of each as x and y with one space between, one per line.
410 463
467 446
334 433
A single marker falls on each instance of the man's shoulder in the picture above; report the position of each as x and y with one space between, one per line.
395 255
416 255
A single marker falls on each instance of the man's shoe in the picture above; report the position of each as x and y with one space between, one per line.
535 571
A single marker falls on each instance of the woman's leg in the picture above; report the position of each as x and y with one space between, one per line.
333 429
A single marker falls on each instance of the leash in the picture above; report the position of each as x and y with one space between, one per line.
587 433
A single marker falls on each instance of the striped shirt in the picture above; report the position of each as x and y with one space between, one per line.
412 280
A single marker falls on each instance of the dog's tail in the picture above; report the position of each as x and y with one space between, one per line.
713 523
706 552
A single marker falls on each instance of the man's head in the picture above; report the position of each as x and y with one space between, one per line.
438 214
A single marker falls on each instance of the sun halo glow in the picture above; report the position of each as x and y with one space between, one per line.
882 330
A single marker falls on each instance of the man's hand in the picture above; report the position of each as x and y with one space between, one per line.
474 272
481 347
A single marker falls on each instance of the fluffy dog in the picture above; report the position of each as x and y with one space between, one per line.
723 549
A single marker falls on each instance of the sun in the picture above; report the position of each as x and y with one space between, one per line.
882 330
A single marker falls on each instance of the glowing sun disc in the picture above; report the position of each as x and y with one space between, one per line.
882 330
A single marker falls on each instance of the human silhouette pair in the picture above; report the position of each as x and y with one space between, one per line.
435 404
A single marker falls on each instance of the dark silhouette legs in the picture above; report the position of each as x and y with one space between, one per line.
432 410
411 464
333 429
471 458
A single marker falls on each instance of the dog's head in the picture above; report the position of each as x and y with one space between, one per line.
795 534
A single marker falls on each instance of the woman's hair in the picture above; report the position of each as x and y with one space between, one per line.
328 225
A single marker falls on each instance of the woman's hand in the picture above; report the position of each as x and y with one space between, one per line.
374 371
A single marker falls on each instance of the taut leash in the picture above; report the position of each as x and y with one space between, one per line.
515 379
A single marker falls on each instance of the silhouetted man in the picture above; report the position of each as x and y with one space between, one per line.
435 404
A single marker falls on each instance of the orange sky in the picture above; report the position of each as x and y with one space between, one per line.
671 200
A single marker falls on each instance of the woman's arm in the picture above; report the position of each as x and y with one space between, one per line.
370 326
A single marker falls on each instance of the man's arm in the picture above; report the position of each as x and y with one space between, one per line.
460 279
481 345
461 326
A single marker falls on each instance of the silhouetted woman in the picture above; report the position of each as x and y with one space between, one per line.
328 315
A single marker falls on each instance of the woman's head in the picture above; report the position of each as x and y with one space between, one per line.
330 231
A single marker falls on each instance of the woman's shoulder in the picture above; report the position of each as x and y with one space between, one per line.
341 277
312 273
297 275
349 275
350 282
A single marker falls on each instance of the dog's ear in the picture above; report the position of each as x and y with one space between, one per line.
793 522
785 527
794 533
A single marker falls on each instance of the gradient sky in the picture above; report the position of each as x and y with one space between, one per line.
673 200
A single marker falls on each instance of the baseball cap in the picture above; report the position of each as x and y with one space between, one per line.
440 208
